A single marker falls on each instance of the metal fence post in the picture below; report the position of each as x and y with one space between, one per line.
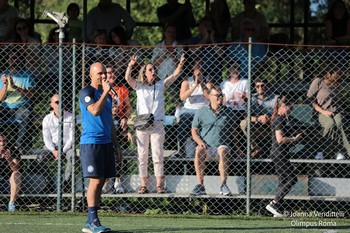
248 126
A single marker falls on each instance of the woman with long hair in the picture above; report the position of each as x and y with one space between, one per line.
194 94
337 23
23 32
150 99
280 155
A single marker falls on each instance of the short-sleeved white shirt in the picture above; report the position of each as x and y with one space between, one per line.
146 103
197 99
233 93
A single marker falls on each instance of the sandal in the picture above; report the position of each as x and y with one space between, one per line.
142 190
160 190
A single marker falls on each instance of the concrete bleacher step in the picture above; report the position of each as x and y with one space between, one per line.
308 188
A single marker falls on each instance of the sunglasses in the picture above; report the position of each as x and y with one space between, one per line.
57 102
261 85
219 95
21 28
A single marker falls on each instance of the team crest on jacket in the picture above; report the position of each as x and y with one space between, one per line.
87 99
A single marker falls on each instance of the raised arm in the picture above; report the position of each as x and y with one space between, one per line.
3 91
185 90
131 81
169 80
97 107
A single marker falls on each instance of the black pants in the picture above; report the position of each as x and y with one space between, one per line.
286 176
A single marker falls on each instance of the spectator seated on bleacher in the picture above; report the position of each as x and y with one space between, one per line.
238 53
74 25
9 171
51 137
211 55
167 53
235 90
259 19
120 51
107 15
28 43
180 15
263 102
16 90
211 130
325 96
100 48
194 93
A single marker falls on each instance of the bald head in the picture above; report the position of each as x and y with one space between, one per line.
54 103
97 74
95 66
55 97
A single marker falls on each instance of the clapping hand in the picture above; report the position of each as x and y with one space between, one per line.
182 59
6 155
298 137
4 79
197 79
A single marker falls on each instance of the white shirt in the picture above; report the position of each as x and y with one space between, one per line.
197 99
233 94
50 131
145 100
167 67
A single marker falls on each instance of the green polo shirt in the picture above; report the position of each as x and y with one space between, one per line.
215 129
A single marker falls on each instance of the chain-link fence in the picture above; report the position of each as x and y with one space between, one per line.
240 174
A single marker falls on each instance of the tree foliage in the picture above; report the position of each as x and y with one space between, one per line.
145 11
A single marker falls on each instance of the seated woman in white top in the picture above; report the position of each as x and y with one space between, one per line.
235 90
167 53
150 99
194 93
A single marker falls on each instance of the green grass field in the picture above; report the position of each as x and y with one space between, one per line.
35 222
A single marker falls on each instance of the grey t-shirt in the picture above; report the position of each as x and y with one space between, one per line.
215 129
323 95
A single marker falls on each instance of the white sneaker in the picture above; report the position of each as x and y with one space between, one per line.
107 186
105 189
340 156
271 207
118 187
319 155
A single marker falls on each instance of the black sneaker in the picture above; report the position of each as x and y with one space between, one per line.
272 208
198 190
